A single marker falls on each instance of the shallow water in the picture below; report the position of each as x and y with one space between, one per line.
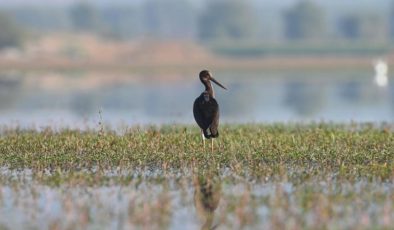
179 204
74 99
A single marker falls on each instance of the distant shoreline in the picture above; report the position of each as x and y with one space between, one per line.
291 63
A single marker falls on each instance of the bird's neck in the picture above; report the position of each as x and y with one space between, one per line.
209 89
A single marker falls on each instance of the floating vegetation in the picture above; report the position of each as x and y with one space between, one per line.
258 176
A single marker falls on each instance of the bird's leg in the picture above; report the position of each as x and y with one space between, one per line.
203 138
211 144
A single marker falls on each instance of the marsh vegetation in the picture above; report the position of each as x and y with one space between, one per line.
277 176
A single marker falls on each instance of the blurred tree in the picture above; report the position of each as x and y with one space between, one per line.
305 21
169 19
391 21
349 27
10 32
232 19
41 18
368 27
84 17
121 22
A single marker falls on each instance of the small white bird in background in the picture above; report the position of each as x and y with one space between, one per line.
381 70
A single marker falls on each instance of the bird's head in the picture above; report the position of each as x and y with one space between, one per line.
205 77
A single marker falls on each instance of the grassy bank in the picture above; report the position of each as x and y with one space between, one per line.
316 176
296 152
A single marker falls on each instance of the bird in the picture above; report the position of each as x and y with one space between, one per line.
206 108
381 71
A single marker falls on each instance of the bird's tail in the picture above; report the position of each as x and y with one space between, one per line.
211 133
214 132
207 133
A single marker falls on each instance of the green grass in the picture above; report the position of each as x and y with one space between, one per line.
280 176
256 152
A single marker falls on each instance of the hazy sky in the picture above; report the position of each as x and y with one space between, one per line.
339 4
63 2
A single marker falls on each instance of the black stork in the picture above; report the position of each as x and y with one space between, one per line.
206 108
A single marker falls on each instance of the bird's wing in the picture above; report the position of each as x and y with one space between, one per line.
206 115
215 119
199 114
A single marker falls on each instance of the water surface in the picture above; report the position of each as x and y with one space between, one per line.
75 98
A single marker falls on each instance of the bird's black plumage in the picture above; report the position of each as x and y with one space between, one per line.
206 114
206 108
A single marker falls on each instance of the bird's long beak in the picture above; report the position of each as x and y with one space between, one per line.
217 83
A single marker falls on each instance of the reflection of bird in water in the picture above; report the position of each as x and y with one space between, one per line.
206 199
206 108
381 71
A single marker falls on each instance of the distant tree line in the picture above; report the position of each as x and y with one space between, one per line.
218 20
10 32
